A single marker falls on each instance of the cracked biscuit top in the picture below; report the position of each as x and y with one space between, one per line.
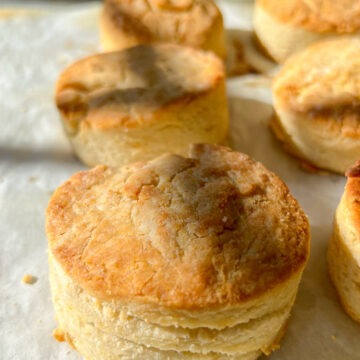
339 16
214 229
124 89
325 76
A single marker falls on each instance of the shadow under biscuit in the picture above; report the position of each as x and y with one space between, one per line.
27 155
250 133
244 56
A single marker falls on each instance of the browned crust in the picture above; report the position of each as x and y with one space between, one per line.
352 195
188 25
96 100
322 80
341 17
116 19
213 230
354 171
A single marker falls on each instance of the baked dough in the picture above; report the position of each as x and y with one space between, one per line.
194 23
317 104
344 246
141 102
284 27
177 258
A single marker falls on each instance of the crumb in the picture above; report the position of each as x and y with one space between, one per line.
333 337
29 279
32 179
59 335
270 349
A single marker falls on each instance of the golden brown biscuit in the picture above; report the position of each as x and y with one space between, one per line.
317 104
195 257
284 27
141 102
344 246
194 23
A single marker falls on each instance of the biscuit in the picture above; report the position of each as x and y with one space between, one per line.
179 257
141 102
284 27
194 23
344 246
317 103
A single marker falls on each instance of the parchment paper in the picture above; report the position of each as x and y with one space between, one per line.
35 158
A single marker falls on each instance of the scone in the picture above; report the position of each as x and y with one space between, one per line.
344 246
194 23
284 27
176 258
136 104
317 103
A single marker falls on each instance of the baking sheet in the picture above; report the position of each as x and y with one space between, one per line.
35 158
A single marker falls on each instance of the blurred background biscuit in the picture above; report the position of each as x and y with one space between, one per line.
194 23
283 27
317 104
141 102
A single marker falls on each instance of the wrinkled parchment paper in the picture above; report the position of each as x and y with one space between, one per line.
35 158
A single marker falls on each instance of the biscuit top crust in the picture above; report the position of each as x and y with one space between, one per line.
185 21
340 16
324 76
352 197
211 230
126 88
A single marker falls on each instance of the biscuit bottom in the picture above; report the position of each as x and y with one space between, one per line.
104 330
344 269
321 139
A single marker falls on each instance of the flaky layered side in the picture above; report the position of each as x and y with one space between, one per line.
179 257
317 104
136 104
194 23
286 27
246 339
344 246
